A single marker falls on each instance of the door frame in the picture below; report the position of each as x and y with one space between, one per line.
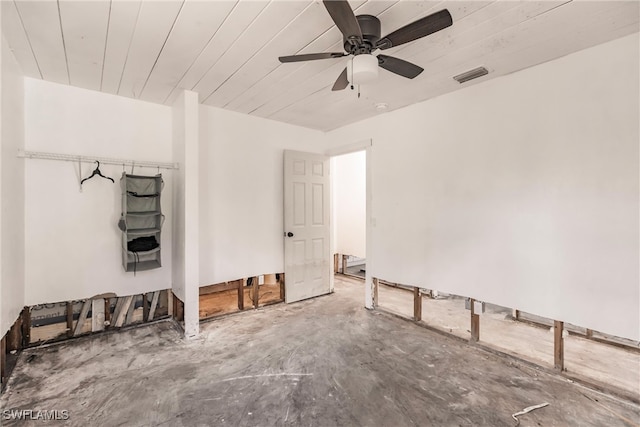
365 145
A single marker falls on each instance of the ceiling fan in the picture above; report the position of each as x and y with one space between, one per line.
361 35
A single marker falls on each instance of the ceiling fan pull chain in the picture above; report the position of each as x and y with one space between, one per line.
351 73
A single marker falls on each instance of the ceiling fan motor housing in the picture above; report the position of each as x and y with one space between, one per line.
370 28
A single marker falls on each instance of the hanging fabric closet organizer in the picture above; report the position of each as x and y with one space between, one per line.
141 222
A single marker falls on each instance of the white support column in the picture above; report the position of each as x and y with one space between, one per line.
186 209
371 223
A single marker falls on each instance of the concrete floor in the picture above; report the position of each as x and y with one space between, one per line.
320 362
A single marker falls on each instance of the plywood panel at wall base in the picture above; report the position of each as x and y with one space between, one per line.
521 191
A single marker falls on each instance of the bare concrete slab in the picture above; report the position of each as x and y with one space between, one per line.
320 362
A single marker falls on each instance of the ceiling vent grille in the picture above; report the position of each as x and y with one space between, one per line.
471 74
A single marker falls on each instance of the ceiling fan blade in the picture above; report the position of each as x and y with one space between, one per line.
417 29
311 56
399 66
344 18
342 81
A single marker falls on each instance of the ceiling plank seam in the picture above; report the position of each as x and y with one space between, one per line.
106 38
201 52
28 39
257 52
230 46
64 46
162 48
124 66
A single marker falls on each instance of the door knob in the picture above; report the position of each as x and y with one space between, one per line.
289 234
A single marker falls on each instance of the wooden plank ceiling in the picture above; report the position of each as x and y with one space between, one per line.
227 50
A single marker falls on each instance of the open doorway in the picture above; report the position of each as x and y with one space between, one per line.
349 209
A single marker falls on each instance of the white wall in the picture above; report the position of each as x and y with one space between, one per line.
241 192
72 242
11 190
521 191
350 203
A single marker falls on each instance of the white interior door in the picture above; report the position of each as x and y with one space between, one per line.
307 255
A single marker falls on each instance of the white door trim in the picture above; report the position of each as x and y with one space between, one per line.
363 144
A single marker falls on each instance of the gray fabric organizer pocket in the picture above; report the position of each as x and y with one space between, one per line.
141 217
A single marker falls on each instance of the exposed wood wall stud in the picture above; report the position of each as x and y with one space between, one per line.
335 262
176 315
240 284
178 309
26 326
376 285
256 291
417 304
475 323
117 310
124 303
107 312
558 345
83 315
344 264
154 305
132 308
170 303
69 319
282 291
516 314
14 336
97 315
589 333
145 308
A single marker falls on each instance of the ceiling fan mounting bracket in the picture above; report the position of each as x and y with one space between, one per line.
370 28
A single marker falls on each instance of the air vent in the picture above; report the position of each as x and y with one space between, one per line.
471 74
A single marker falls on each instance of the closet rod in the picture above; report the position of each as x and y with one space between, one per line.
102 160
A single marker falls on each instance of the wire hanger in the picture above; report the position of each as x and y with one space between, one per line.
96 171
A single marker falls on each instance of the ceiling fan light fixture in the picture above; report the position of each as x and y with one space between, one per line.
362 69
